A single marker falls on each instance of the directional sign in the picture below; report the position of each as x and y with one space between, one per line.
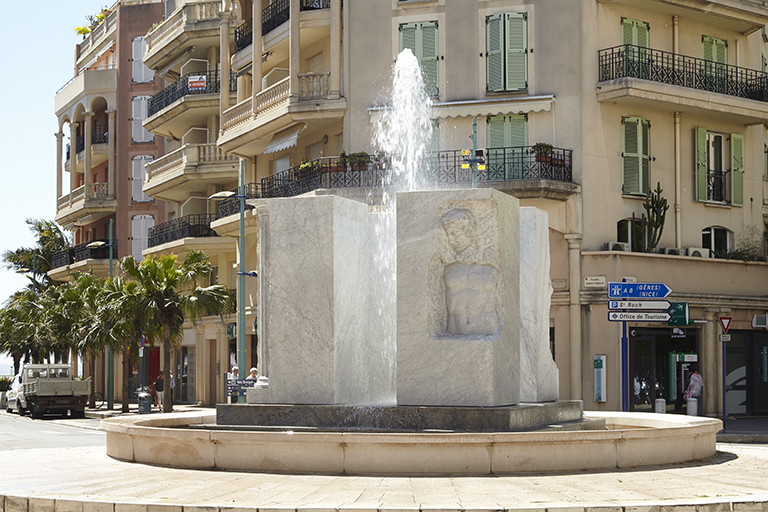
662 305
638 290
725 323
617 316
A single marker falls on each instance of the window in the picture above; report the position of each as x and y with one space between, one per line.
717 240
138 176
506 54
139 106
629 231
140 72
635 36
715 181
635 156
140 225
421 38
315 151
507 139
281 164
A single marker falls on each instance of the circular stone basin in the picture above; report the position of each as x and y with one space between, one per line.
630 439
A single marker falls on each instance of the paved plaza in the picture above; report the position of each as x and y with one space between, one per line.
85 479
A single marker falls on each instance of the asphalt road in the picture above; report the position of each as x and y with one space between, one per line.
23 433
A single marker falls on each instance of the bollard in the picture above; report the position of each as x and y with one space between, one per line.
693 407
660 406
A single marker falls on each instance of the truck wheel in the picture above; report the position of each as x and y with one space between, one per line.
22 410
37 412
77 413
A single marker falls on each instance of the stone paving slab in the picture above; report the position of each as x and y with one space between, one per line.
86 480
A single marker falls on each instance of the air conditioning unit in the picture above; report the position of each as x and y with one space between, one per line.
698 252
616 246
674 251
760 321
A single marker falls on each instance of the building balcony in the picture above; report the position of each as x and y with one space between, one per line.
79 209
82 259
247 128
743 16
187 102
90 82
186 34
190 168
99 148
522 172
655 79
272 17
231 206
98 39
186 233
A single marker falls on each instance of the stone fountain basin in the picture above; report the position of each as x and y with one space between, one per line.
629 440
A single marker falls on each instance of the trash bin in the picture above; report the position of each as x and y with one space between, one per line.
145 403
693 407
661 406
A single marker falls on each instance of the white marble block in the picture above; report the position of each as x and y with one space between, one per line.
315 258
458 293
539 375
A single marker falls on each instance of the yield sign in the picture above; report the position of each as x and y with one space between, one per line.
725 323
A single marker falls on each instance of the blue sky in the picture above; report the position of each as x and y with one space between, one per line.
40 49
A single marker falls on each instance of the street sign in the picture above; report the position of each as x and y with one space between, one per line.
725 337
681 314
725 323
639 304
638 290
645 316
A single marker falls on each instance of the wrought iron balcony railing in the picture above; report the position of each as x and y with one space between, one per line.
231 206
441 167
99 134
638 62
272 17
81 252
80 143
191 83
197 225
62 258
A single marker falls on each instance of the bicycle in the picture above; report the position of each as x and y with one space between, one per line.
100 401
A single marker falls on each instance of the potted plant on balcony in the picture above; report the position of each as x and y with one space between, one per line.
359 161
340 164
545 153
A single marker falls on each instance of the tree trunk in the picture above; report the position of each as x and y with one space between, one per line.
126 370
92 372
168 392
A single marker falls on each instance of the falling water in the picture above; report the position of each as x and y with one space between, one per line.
401 133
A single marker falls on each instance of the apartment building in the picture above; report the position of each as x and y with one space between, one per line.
100 172
581 107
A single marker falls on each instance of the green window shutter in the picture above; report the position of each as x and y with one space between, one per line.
421 39
762 58
631 138
408 37
737 169
635 32
517 130
701 164
720 52
517 52
494 46
495 134
428 57
645 156
707 48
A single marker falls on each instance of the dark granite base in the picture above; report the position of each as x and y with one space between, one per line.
513 418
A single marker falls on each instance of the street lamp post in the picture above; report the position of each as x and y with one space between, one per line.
110 354
241 363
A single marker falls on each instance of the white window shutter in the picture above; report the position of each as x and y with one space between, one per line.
138 176
139 133
140 225
141 73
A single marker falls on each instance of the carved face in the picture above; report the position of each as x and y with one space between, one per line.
458 237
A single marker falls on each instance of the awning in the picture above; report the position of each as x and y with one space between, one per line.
284 139
487 107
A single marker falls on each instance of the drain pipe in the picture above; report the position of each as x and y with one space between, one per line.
574 262
675 34
678 207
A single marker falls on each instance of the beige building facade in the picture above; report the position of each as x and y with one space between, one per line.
582 108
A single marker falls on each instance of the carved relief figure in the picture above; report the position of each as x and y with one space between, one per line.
465 279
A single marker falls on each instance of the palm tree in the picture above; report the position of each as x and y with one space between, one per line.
121 304
49 239
169 292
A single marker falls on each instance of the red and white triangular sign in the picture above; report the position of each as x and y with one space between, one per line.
725 323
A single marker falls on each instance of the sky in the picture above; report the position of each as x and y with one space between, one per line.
40 59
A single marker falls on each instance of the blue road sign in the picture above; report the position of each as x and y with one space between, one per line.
638 290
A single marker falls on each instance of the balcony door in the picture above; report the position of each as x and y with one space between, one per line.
635 36
507 138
